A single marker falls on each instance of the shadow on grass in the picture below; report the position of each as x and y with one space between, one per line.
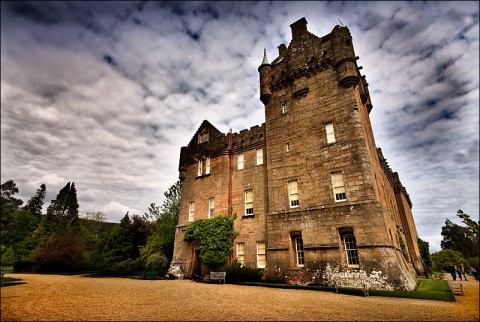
10 281
427 289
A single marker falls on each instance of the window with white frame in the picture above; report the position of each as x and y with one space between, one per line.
211 207
330 133
287 147
248 202
261 255
259 156
207 166
338 186
191 211
284 106
293 194
200 167
241 253
299 251
240 162
350 246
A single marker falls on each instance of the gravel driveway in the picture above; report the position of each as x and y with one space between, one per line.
56 297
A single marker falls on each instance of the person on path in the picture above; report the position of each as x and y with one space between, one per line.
463 272
453 272
459 272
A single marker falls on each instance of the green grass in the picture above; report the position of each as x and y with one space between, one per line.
428 289
10 281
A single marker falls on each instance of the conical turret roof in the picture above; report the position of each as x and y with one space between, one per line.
265 59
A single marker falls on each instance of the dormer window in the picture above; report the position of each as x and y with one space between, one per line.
203 136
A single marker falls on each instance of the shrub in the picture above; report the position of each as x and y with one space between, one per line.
156 265
237 273
23 266
124 268
62 253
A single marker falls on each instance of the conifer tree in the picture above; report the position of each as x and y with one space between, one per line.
35 204
62 213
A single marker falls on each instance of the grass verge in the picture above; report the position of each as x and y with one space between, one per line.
10 281
427 289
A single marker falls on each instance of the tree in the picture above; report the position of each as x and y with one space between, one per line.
424 249
62 213
6 256
62 252
120 244
22 225
471 224
91 225
139 228
459 238
163 237
446 258
35 204
8 205
153 212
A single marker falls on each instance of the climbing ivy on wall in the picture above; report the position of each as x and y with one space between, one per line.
403 246
216 236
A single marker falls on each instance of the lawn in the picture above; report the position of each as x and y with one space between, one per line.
427 289
10 281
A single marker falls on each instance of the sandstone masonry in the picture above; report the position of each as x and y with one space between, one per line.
314 197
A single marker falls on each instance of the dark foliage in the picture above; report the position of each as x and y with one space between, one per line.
459 238
61 253
237 273
35 204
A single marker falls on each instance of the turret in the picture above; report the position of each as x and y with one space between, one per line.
265 71
344 57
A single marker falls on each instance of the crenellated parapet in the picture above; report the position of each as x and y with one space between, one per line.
392 177
249 139
308 54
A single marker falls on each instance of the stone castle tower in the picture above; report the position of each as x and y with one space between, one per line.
314 196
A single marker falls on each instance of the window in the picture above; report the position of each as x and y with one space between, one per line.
350 245
207 166
330 133
200 167
299 251
240 162
259 156
293 194
211 207
261 255
338 187
241 253
201 163
248 202
191 211
287 147
284 106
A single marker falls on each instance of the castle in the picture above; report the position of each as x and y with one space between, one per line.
314 197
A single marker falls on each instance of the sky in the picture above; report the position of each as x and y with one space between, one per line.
104 94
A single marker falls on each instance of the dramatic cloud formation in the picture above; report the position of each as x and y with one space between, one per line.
105 93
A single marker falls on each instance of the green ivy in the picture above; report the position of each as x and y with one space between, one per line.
216 236
403 246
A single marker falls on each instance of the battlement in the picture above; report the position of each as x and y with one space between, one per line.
249 139
392 177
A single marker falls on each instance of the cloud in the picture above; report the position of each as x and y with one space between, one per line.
115 211
105 94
